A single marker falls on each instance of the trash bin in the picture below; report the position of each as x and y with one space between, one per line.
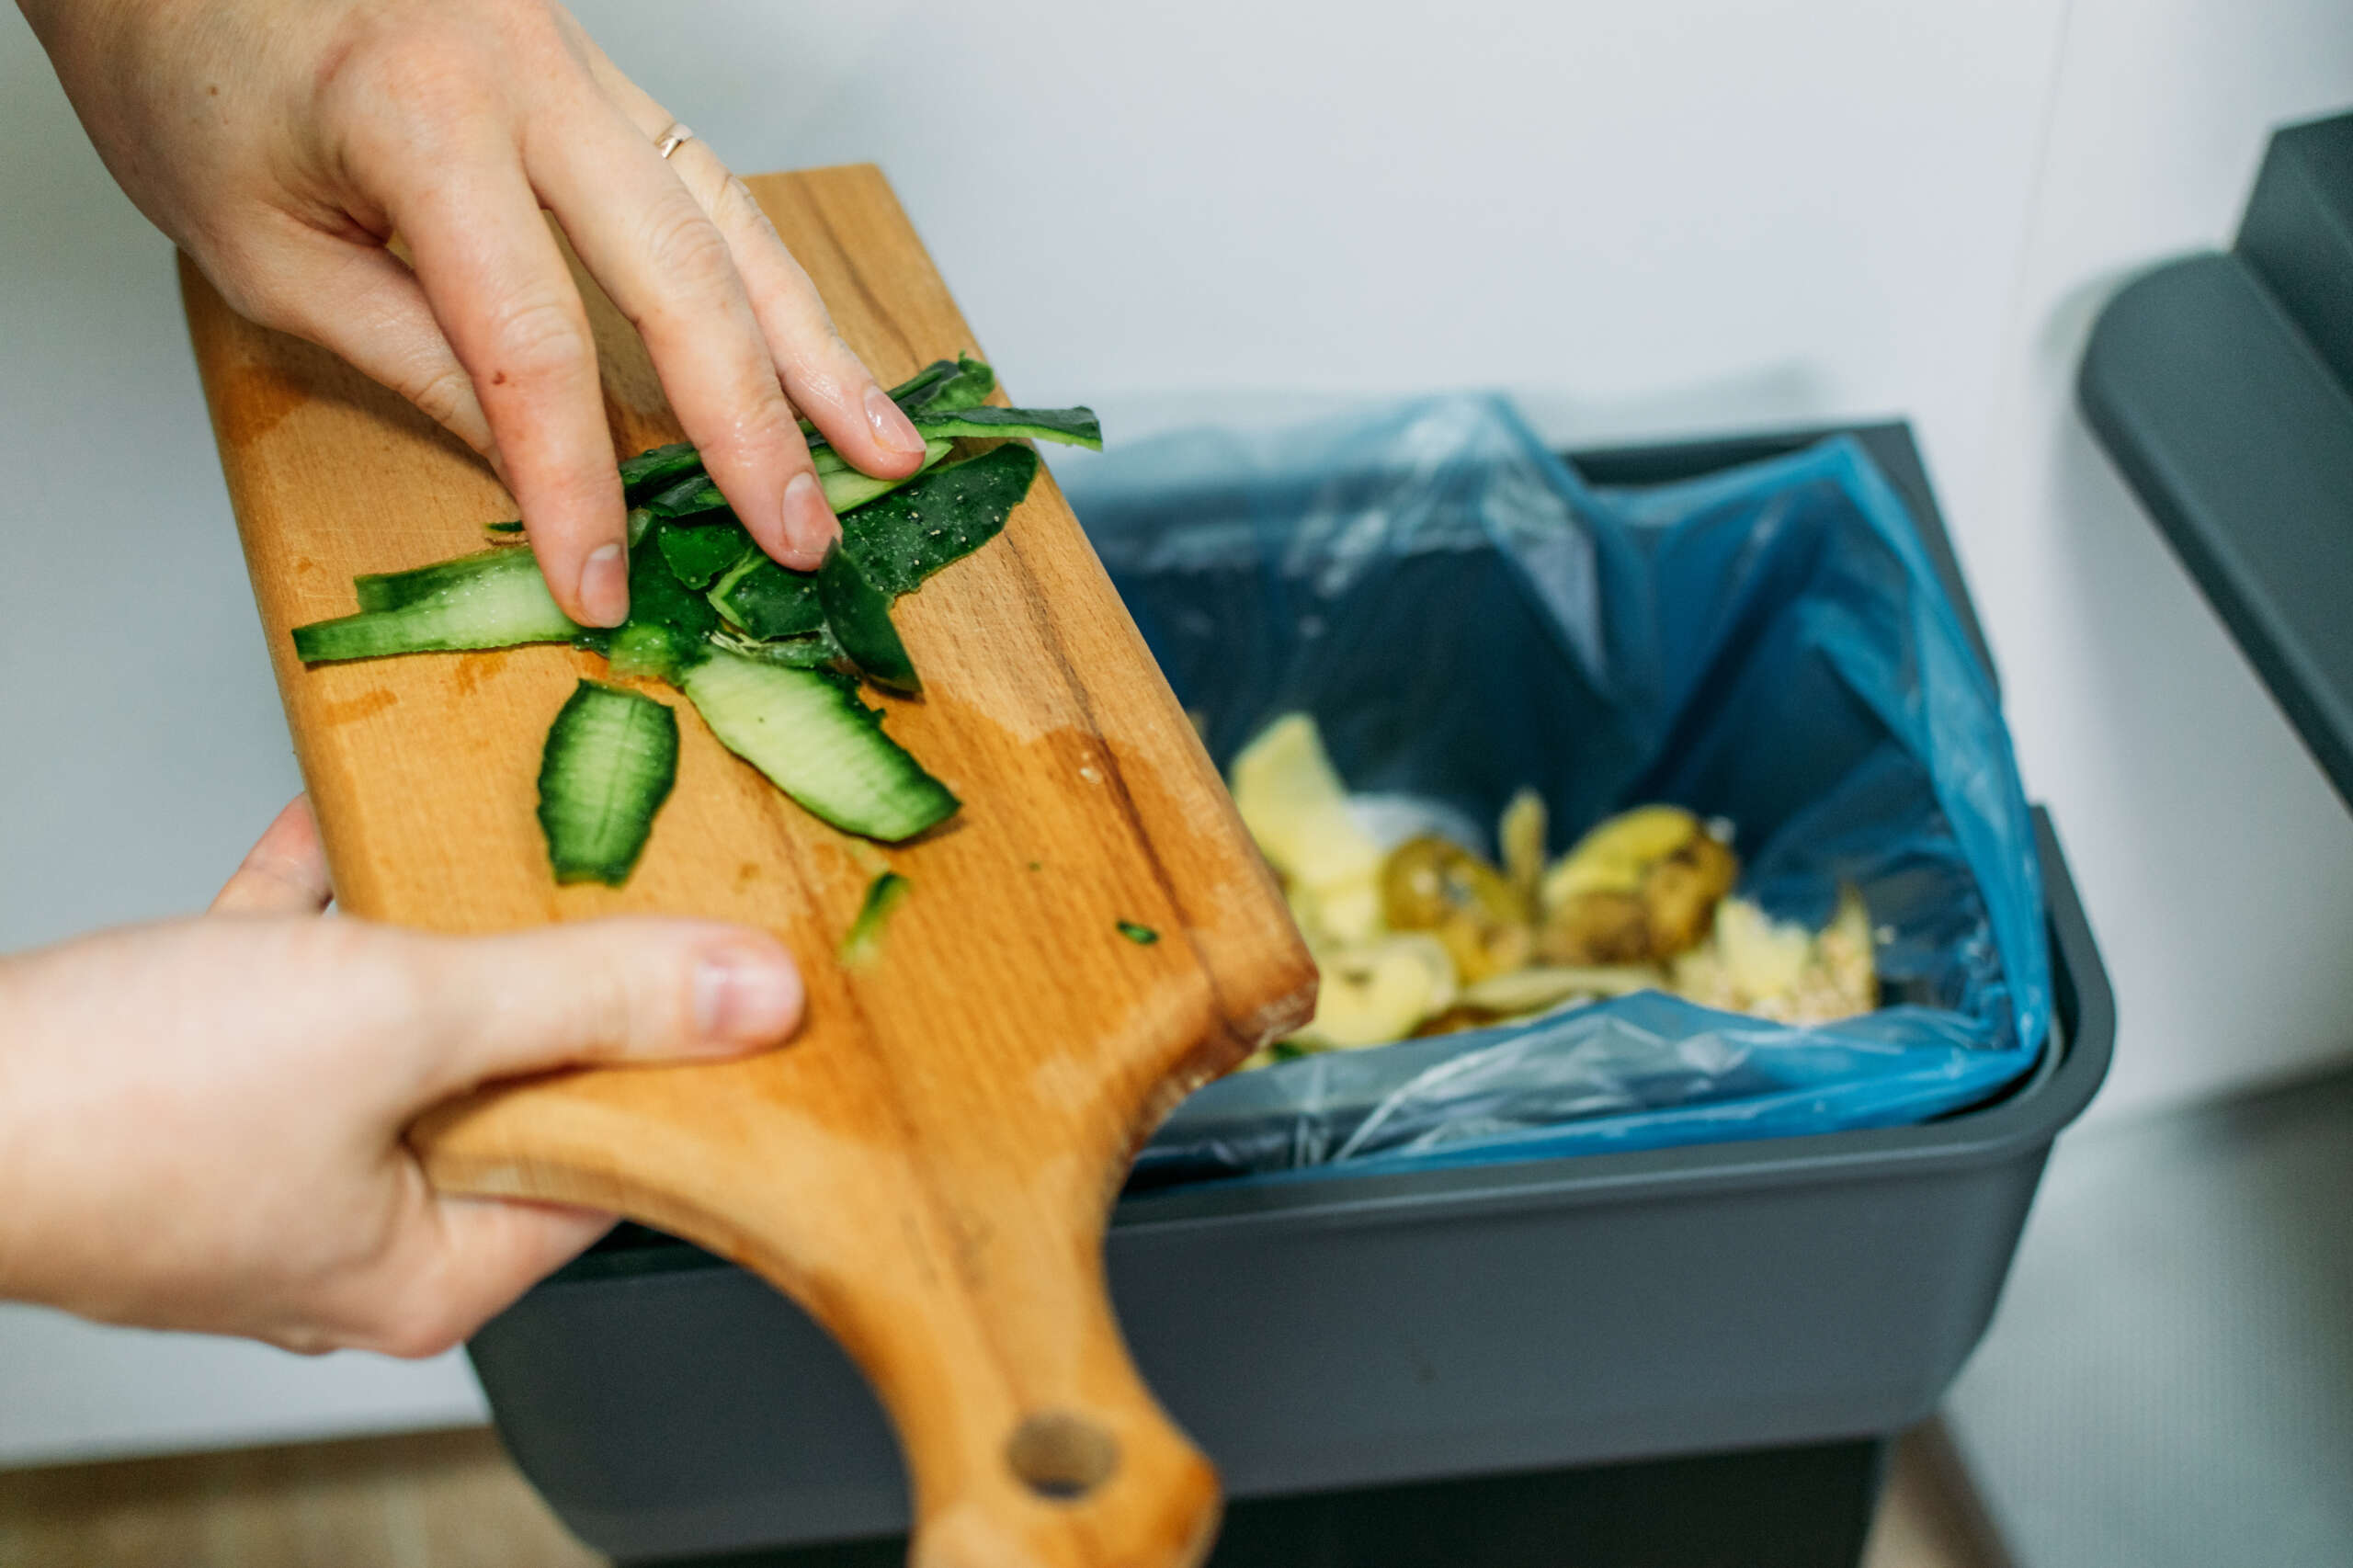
1377 1331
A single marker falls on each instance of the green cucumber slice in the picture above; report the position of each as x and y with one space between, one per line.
611 757
768 600
896 542
699 556
859 615
654 470
688 497
1071 426
669 624
696 498
496 599
819 745
391 590
864 939
813 651
941 387
942 517
846 489
944 386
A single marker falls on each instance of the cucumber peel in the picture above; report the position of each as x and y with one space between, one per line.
859 615
695 497
495 599
700 556
908 535
1071 426
864 939
819 744
944 386
669 625
768 600
610 761
651 471
766 654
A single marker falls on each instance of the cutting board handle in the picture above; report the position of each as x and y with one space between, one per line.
1048 1452
985 1327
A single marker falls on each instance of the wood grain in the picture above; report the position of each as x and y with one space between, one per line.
929 1166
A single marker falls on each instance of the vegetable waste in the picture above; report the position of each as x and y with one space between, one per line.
773 659
1427 937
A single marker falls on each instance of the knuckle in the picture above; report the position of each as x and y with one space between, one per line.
686 251
600 1007
647 1005
535 338
735 204
394 87
444 395
770 427
608 1009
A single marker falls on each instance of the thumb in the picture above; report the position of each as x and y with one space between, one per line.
284 874
606 991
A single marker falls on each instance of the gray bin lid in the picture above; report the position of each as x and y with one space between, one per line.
2222 385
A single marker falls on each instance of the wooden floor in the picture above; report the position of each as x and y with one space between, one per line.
451 1500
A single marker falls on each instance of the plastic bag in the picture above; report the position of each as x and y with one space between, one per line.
1463 615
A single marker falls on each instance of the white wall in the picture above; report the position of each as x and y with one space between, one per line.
1692 214
2216 860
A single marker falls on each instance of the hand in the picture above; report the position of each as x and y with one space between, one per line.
283 142
200 1122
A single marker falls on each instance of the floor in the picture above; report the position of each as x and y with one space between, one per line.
2169 1381
451 1500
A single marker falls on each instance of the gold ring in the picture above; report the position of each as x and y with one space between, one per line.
673 139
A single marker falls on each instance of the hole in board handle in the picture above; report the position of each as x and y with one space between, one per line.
1062 1457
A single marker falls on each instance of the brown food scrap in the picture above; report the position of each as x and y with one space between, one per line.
1596 928
1669 914
1682 891
1430 884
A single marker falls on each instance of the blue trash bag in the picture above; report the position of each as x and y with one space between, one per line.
1463 615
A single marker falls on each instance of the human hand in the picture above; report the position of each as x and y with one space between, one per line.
200 1122
282 142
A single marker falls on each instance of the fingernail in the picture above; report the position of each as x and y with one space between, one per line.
603 586
892 428
743 997
809 525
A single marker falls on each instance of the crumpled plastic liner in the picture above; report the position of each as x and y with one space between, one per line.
1464 616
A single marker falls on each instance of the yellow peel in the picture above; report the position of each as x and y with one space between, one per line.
1613 856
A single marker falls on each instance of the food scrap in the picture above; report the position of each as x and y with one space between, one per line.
772 659
883 895
1430 937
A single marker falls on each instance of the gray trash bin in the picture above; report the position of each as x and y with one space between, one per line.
1348 1332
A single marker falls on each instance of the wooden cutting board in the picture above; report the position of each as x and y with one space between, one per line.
928 1166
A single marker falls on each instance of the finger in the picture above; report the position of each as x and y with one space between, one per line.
363 303
668 268
284 873
500 290
477 1255
608 991
827 381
